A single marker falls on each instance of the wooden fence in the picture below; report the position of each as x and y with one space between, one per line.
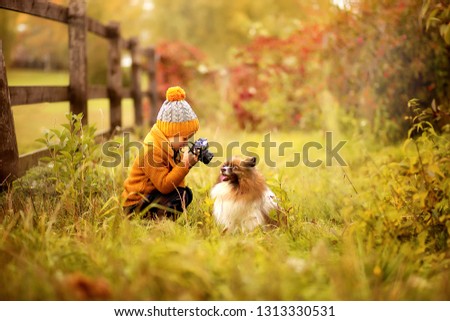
13 165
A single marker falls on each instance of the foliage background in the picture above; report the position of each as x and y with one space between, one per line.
372 55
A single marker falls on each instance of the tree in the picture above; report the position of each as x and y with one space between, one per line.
216 26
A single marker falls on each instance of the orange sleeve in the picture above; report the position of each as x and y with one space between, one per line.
164 179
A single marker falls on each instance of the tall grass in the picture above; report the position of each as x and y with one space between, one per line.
50 249
64 236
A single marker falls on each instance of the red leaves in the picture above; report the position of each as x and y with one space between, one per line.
177 65
264 61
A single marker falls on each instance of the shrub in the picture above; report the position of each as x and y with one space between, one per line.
381 58
412 196
71 175
274 81
177 64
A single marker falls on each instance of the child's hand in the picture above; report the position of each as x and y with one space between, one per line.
189 159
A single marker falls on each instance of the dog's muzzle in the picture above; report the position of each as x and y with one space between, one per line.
225 172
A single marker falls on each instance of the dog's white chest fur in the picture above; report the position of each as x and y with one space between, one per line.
240 214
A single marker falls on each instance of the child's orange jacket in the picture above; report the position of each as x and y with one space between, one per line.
155 168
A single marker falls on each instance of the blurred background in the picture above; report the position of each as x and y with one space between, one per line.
257 65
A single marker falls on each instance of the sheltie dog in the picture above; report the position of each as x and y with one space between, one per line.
242 200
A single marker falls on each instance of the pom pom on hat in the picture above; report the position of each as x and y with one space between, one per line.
175 94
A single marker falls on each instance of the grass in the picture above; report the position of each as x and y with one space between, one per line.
51 248
47 253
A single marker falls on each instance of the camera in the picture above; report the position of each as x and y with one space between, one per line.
200 148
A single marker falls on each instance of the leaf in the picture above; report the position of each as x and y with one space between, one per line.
442 30
437 170
433 105
56 132
66 154
42 141
447 35
424 9
46 159
431 20
407 142
410 132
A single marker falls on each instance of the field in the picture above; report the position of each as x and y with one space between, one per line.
64 236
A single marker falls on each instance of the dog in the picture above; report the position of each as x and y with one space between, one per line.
242 199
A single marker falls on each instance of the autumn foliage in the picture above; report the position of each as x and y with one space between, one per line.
177 65
272 81
373 58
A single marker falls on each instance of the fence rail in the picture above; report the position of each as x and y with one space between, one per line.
13 165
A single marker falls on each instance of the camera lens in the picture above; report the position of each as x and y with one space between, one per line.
200 148
207 157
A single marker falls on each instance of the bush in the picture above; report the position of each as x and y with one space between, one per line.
71 176
178 64
275 82
412 196
381 57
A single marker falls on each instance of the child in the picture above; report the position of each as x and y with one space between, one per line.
155 184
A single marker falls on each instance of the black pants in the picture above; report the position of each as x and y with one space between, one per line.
158 205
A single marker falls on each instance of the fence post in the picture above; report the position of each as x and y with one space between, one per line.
153 90
136 91
114 77
78 92
9 154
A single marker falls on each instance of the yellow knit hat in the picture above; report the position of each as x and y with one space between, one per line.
176 116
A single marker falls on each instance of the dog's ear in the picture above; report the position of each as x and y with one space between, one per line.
249 162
